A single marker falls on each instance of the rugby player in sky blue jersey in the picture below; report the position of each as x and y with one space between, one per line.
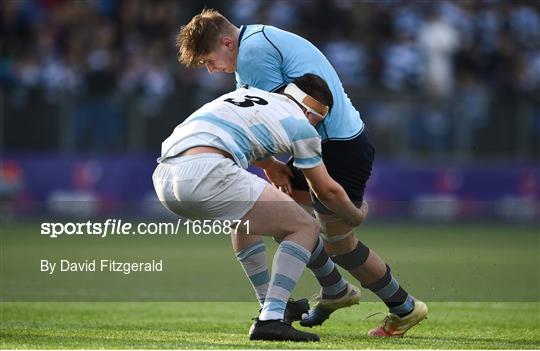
268 58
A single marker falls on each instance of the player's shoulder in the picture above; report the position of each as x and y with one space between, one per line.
289 105
247 96
252 36
261 36
247 90
274 31
216 105
240 91
250 32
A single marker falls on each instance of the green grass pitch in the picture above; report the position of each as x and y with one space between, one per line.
481 283
224 325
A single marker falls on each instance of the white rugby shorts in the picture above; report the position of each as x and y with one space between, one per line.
206 186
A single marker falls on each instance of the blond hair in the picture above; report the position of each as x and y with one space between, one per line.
201 36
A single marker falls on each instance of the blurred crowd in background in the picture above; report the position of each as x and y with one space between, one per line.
451 80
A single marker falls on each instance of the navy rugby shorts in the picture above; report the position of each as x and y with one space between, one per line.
349 162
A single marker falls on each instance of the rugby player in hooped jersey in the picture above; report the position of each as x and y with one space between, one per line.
202 174
267 58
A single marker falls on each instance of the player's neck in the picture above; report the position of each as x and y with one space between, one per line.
235 35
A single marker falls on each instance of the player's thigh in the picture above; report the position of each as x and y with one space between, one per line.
338 236
349 162
276 214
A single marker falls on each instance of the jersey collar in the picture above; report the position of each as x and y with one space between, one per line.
242 30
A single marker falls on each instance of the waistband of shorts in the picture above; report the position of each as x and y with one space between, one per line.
181 159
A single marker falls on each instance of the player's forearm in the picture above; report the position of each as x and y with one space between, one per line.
336 199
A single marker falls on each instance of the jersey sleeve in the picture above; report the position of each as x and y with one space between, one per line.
306 146
259 63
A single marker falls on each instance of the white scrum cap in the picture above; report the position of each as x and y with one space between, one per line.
309 103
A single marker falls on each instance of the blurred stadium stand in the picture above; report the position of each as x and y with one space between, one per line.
440 84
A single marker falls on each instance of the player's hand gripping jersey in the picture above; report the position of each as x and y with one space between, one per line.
250 124
269 58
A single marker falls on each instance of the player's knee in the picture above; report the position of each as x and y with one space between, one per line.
306 222
333 228
314 232
310 227
311 230
332 224
302 224
315 228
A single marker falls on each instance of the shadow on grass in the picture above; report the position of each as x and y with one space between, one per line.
51 341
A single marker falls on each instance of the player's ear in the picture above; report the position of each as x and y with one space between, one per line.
227 41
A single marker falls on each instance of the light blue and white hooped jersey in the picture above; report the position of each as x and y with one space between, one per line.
250 124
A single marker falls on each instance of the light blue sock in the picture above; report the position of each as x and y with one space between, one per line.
289 262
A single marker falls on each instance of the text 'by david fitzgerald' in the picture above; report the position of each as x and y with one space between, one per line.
100 265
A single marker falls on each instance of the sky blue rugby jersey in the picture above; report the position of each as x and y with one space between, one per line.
250 124
269 58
